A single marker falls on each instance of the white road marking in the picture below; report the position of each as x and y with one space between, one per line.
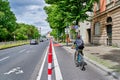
4 58
57 68
22 51
16 70
19 72
49 65
41 69
28 52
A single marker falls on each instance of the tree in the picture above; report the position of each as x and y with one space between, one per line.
7 19
3 33
75 10
25 31
62 13
2 14
54 33
56 19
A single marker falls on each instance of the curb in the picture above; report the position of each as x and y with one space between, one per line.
103 68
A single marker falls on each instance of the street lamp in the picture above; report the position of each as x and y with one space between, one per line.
14 35
67 34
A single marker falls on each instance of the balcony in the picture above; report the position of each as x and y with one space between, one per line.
112 4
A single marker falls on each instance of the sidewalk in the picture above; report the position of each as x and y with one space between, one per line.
105 57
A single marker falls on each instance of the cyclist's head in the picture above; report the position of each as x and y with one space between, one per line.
78 37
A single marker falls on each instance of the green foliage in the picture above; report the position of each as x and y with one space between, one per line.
7 20
73 33
56 20
3 36
36 34
55 17
26 31
52 1
1 15
54 33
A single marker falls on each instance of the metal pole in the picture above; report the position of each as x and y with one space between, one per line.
50 61
66 36
67 40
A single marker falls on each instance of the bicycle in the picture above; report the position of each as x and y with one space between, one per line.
79 60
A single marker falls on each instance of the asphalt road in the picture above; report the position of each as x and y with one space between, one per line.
29 62
23 62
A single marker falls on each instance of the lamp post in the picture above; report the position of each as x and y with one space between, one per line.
14 36
40 30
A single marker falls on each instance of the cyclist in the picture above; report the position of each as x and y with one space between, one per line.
79 47
79 43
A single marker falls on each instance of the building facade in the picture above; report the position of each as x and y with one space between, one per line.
85 31
106 23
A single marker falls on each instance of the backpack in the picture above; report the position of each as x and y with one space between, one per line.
80 43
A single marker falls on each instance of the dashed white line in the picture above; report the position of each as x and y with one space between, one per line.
4 58
22 51
41 69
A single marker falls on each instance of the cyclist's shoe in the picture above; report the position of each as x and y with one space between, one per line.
83 68
77 64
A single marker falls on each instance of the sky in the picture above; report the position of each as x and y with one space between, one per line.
31 12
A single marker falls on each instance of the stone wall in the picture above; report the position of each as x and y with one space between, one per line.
116 27
102 38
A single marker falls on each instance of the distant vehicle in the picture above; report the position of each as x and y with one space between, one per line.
33 42
41 40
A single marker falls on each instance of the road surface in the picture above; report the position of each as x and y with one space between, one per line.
29 62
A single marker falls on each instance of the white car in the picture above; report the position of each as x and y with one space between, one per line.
33 42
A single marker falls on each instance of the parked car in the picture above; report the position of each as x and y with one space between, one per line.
33 42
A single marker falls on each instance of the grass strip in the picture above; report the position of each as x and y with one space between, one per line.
4 46
106 63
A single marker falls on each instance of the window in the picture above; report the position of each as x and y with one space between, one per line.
97 28
109 19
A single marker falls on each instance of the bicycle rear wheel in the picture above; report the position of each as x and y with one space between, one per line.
82 66
81 62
